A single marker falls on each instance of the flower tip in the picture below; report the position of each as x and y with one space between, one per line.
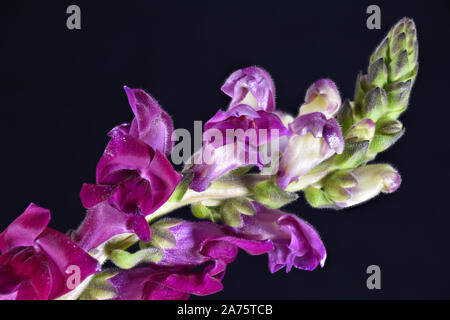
322 261
392 181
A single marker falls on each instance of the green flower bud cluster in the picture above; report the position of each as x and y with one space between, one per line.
370 124
383 93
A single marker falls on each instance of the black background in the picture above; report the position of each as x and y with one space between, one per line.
61 91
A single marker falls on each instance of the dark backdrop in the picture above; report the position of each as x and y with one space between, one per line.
61 91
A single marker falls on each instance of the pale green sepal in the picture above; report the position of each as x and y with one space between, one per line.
317 198
201 211
230 215
272 196
243 205
381 142
100 288
353 155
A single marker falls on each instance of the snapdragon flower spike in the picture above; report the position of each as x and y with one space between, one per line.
370 180
231 140
133 176
35 259
322 96
252 86
205 246
314 138
296 243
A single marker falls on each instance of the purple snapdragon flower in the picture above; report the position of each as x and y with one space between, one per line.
231 140
295 242
134 176
36 261
314 138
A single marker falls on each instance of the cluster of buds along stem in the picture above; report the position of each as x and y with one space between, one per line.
370 124
382 94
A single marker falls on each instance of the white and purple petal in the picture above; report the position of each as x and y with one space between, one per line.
252 86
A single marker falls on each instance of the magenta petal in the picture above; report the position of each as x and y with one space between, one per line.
24 275
251 129
151 124
65 253
220 163
24 230
201 245
102 222
312 123
140 227
153 283
245 118
270 122
131 194
163 180
91 194
9 282
198 283
138 175
122 129
200 242
168 283
123 152
295 242
156 291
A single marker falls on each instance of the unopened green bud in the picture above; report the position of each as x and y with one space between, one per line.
378 74
272 196
317 198
398 95
354 154
243 205
336 184
381 51
390 128
201 211
345 116
362 86
230 215
363 130
381 142
374 103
